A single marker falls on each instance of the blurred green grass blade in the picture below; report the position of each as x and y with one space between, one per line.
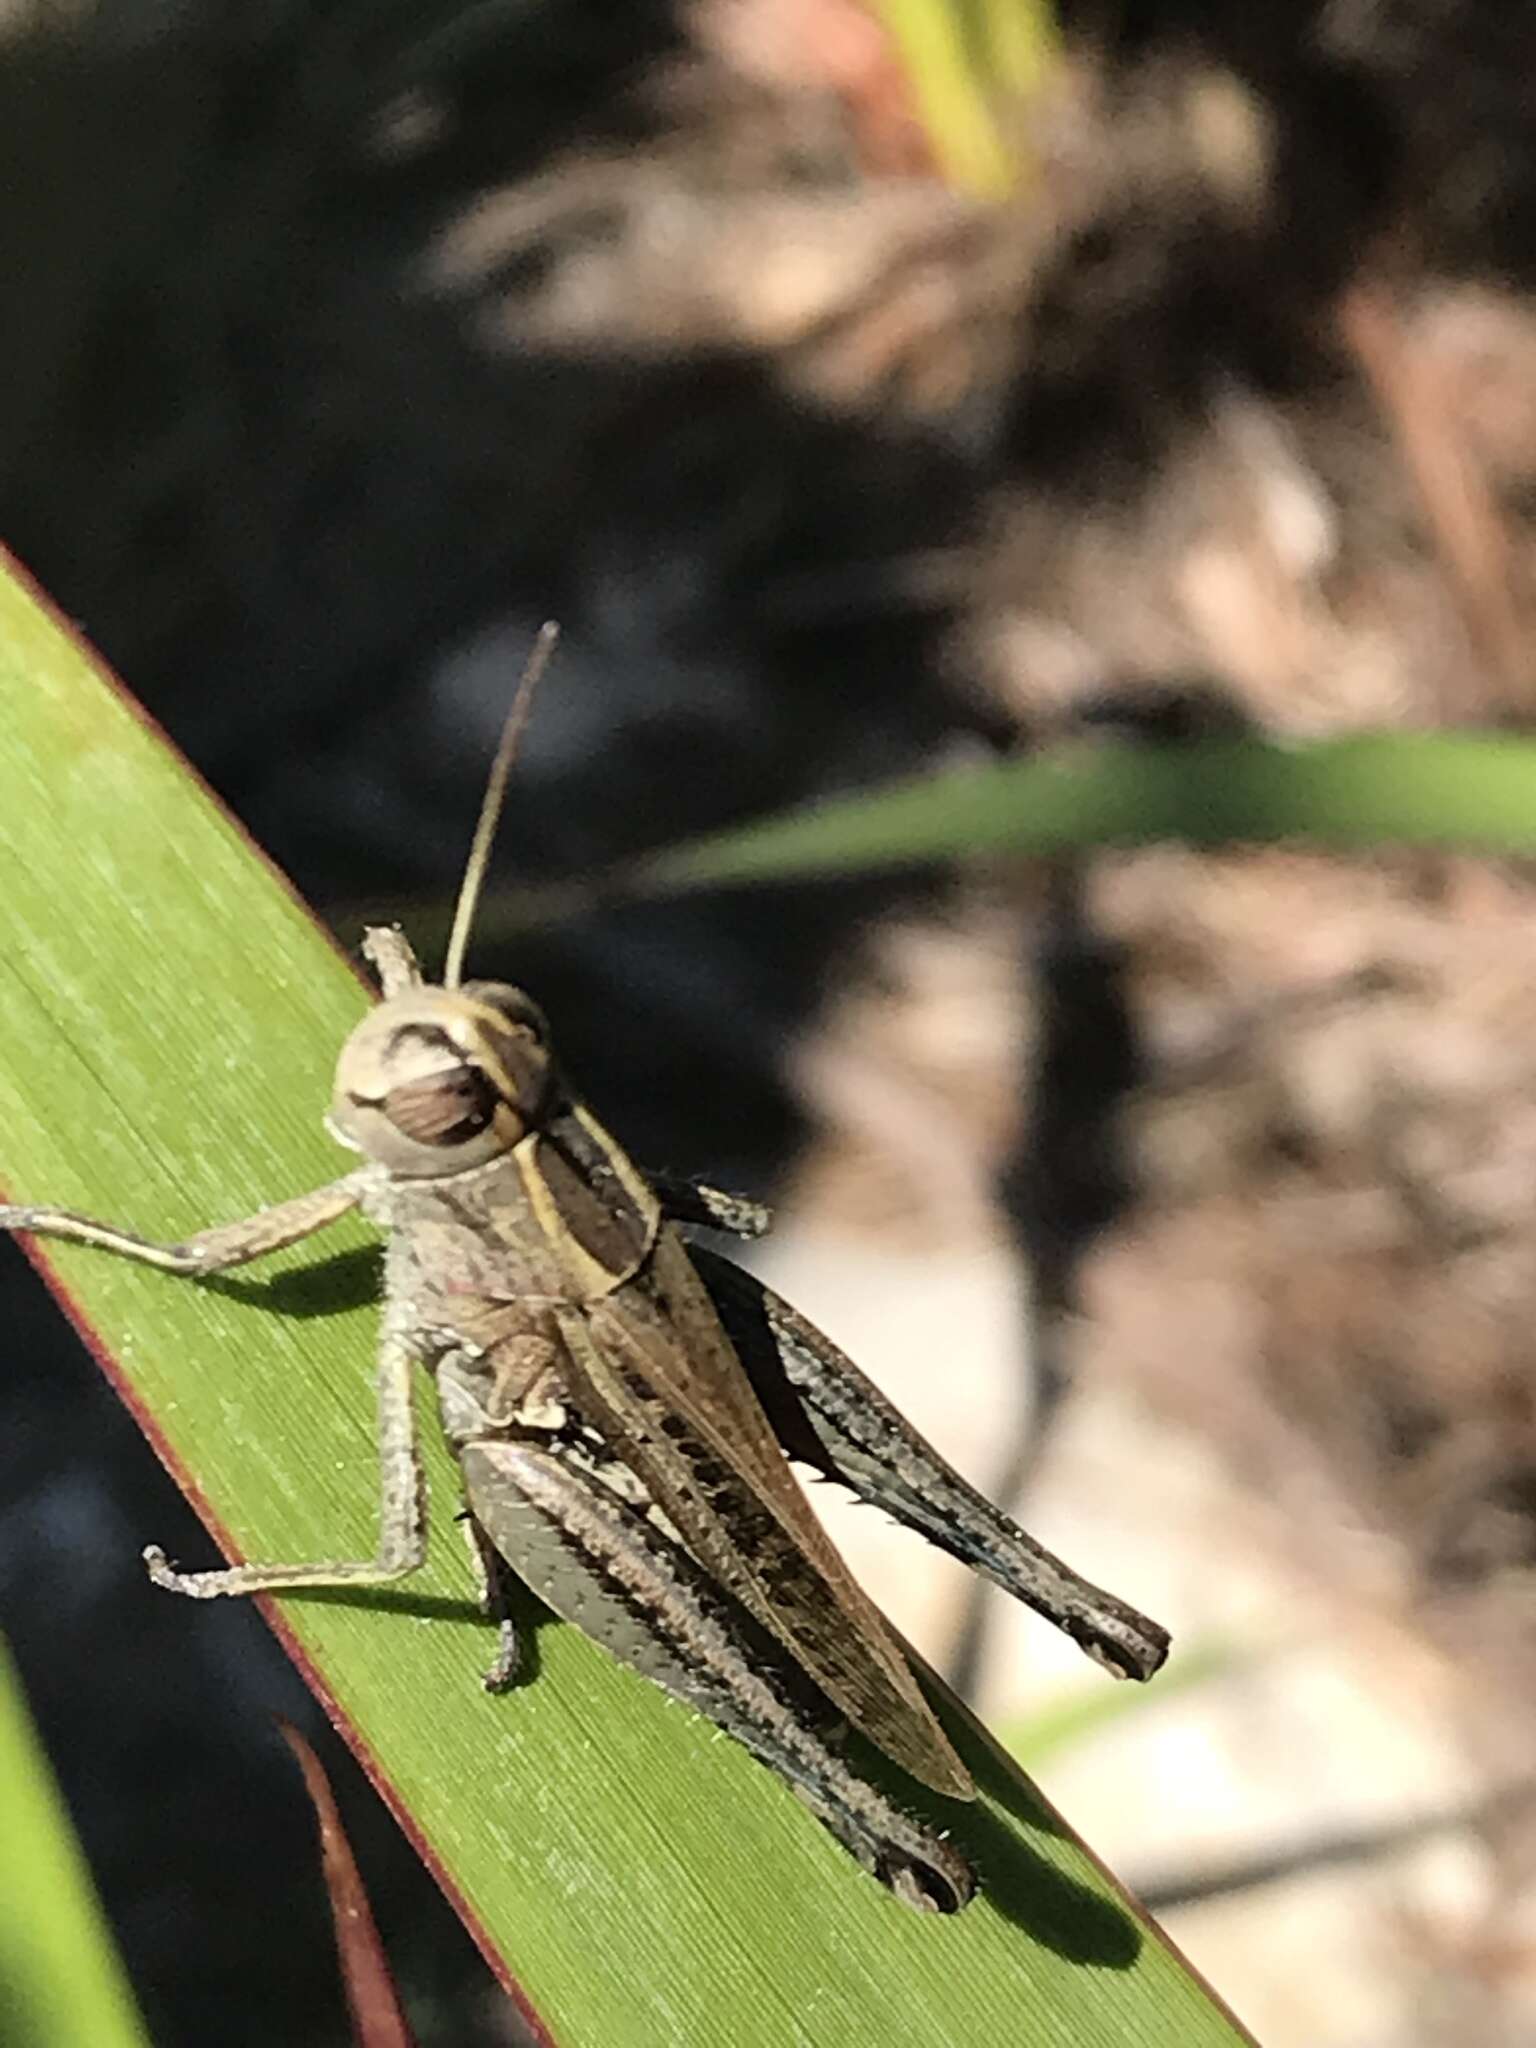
60 1978
970 64
169 1018
1014 44
1416 789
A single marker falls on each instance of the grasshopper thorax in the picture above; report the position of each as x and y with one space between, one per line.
437 1080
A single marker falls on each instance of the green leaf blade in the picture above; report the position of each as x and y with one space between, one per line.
60 1978
1467 790
169 1018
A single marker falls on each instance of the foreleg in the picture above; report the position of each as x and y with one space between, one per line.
207 1251
402 1508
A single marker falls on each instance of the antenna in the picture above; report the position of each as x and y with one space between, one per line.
490 808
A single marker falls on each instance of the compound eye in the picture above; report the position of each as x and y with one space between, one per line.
446 1108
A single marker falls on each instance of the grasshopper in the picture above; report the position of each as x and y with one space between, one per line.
623 1403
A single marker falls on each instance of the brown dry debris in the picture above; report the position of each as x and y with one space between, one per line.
1332 1250
1327 1268
1328 1265
1251 452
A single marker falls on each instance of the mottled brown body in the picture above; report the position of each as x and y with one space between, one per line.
554 1303
623 1404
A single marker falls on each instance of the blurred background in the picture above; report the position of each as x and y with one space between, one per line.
866 388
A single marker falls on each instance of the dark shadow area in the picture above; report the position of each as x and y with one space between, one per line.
346 1280
391 1600
528 1613
1076 1923
1064 1915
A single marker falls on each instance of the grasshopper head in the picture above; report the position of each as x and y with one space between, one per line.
436 1080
